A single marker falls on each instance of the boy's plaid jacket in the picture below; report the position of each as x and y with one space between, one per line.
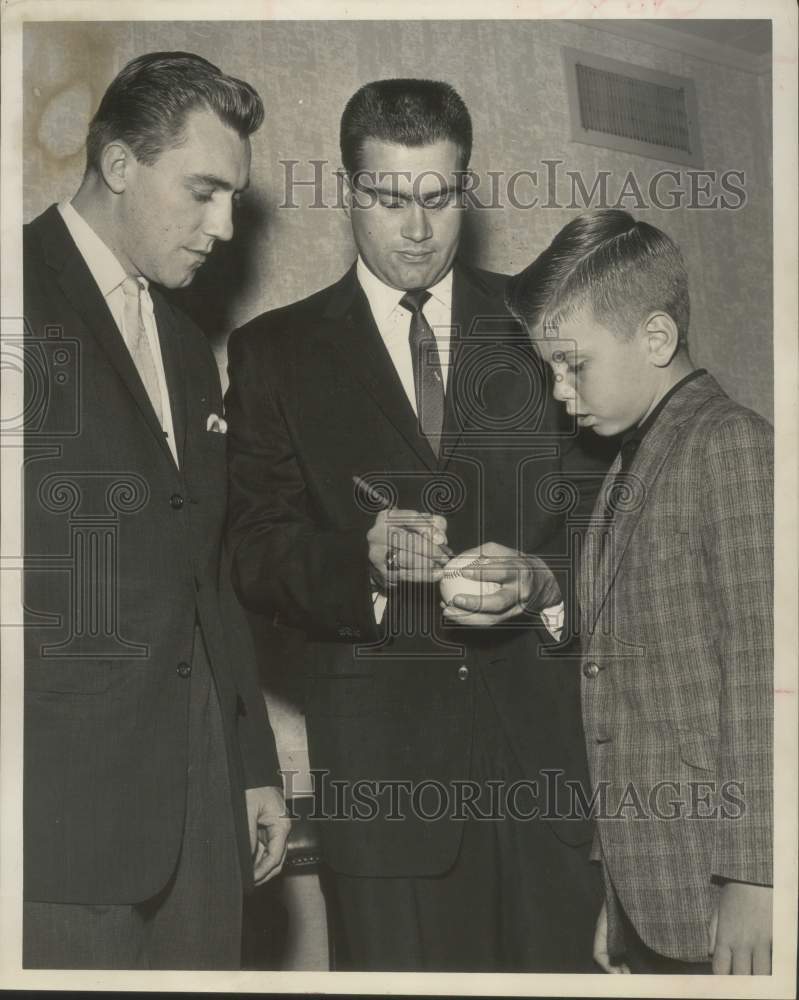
677 659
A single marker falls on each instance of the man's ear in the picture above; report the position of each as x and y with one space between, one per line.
355 192
116 163
346 192
661 338
469 181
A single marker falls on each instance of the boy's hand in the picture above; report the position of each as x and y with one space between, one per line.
526 584
601 956
741 931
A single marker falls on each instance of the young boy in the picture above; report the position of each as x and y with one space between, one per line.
676 599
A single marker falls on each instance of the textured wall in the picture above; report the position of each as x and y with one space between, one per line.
511 76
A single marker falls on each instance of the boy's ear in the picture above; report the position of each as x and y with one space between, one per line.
661 338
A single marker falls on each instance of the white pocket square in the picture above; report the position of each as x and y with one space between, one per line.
216 424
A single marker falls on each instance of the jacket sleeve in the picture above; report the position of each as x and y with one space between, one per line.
737 525
256 740
287 562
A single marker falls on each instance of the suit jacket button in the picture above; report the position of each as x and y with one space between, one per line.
463 673
590 669
176 501
184 669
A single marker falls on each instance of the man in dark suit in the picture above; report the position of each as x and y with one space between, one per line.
409 374
151 788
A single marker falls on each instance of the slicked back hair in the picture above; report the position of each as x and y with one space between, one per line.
621 268
405 112
146 104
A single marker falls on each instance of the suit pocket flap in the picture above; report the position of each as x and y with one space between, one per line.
698 749
342 695
68 677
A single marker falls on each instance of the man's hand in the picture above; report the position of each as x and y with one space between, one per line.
406 545
527 584
269 831
601 956
741 931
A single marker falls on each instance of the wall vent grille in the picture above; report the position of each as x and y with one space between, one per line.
631 108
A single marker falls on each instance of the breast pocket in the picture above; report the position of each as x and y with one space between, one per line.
655 547
656 572
215 444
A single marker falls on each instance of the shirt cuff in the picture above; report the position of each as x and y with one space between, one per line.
379 602
554 618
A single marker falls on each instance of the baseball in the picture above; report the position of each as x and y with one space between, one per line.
454 582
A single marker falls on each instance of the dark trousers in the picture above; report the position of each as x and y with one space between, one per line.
194 922
516 899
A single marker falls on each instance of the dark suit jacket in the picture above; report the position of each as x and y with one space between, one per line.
314 399
123 557
677 617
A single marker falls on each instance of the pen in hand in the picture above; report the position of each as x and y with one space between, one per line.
381 501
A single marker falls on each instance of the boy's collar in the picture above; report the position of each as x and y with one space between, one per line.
635 435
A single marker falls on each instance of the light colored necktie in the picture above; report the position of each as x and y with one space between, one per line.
427 378
138 315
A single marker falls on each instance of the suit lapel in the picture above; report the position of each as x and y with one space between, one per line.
643 473
592 589
651 457
80 289
472 306
354 334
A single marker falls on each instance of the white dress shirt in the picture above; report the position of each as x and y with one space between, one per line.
394 323
109 274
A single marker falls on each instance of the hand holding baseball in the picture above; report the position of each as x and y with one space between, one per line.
497 584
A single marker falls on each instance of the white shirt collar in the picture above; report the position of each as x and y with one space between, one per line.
104 266
383 299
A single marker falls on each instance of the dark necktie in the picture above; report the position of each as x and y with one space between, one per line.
427 377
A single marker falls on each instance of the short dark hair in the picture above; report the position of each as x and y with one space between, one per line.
405 112
146 104
622 268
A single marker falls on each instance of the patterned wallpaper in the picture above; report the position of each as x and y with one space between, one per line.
511 75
